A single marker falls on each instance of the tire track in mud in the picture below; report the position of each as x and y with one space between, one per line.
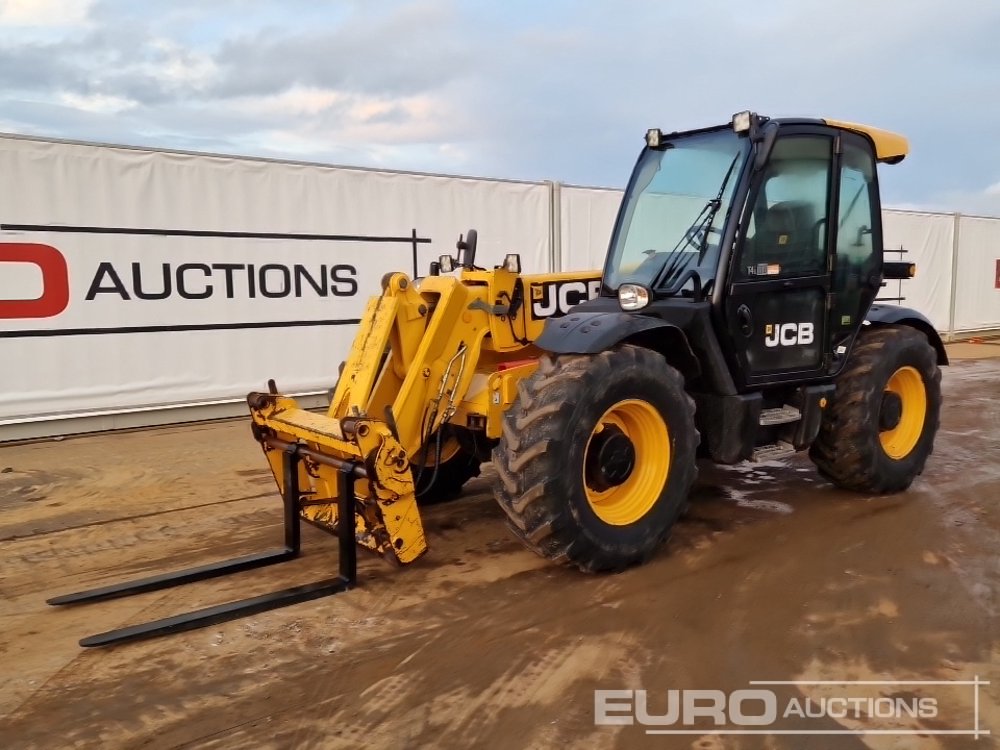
8 535
173 534
469 624
482 641
476 520
396 723
448 609
307 703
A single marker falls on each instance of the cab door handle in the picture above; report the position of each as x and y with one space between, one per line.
744 320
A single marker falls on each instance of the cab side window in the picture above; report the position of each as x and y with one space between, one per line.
787 230
856 259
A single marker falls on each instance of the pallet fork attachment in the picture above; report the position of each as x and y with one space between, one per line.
346 579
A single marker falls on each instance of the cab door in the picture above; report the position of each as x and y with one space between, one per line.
779 282
857 262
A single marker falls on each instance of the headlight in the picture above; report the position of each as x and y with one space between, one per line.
512 263
654 137
447 263
633 296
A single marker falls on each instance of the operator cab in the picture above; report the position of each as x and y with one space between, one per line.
775 225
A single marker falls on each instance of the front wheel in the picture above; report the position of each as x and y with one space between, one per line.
597 457
879 427
443 467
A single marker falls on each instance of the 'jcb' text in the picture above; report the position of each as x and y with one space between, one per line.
788 334
557 298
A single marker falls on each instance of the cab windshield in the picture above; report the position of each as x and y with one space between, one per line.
677 204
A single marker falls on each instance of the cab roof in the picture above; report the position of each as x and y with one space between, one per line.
890 148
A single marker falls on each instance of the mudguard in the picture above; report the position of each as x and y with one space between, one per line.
883 315
592 332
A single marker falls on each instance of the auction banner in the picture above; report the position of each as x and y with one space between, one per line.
132 278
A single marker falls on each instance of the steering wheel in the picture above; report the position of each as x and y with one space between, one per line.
697 236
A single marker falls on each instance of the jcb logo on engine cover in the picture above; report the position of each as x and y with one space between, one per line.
788 334
555 298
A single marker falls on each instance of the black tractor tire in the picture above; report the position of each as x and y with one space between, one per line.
543 457
434 487
850 450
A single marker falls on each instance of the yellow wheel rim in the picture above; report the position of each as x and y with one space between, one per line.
427 455
903 438
630 500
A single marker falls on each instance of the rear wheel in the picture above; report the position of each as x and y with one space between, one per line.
879 427
597 457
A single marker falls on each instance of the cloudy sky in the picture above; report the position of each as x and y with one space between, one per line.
509 88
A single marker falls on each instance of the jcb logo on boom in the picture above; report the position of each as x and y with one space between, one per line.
555 298
788 334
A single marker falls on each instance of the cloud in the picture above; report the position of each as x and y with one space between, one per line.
43 12
559 90
97 102
416 48
38 68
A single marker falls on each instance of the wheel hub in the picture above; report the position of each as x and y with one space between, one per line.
891 411
610 459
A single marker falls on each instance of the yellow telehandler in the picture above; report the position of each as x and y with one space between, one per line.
736 318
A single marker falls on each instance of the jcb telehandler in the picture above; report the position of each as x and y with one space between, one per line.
735 318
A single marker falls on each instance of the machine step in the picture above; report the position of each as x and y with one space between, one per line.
780 415
773 451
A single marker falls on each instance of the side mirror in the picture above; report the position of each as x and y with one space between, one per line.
467 248
764 144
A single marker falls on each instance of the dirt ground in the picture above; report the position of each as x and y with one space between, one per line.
772 575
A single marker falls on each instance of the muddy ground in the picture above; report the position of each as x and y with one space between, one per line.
772 575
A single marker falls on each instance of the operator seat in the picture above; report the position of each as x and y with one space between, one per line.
787 237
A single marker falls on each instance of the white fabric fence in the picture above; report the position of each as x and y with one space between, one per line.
976 288
132 279
136 282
